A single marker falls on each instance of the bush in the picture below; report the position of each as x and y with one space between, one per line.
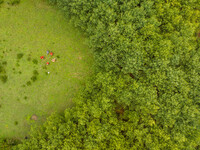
53 2
4 62
13 2
2 70
7 144
20 55
29 58
35 61
28 83
44 67
4 78
34 78
1 1
16 123
35 72
17 64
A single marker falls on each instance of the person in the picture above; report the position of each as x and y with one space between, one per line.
47 52
42 57
51 53
53 60
48 63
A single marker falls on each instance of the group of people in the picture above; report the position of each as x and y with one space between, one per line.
51 53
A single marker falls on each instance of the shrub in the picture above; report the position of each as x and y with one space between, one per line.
2 70
44 67
7 144
16 123
1 1
35 61
20 55
35 72
4 78
34 78
28 83
53 2
17 64
13 2
29 58
4 62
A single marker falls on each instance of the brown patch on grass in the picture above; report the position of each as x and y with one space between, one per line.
79 57
34 117
42 5
76 75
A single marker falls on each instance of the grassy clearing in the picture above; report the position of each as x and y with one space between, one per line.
27 31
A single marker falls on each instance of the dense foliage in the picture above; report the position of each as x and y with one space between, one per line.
10 2
7 144
145 94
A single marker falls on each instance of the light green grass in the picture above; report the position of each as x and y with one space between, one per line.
31 28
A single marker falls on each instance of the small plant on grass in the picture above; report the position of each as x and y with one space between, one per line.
1 2
35 61
35 72
34 78
17 64
13 2
20 55
28 83
4 62
2 70
16 122
29 120
4 78
44 67
25 97
29 58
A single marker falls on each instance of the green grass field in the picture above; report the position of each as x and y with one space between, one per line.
27 31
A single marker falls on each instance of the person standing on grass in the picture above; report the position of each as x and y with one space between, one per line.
47 52
51 53
42 57
53 60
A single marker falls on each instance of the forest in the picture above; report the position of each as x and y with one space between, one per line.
145 90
